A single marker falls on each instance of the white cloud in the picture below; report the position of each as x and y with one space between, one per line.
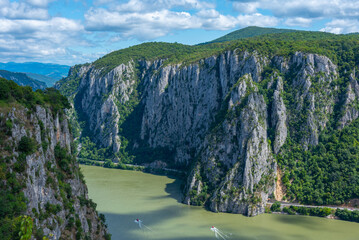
141 25
39 3
144 21
304 9
298 21
340 26
257 19
246 7
21 10
151 5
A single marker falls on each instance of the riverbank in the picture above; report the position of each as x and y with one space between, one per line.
331 212
123 196
346 213
143 168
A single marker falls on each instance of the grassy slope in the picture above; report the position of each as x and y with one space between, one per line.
249 32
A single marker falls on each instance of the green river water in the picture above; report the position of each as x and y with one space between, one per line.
124 196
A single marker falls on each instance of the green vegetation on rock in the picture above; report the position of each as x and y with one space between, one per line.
324 174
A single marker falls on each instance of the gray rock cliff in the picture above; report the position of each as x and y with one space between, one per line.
223 117
50 182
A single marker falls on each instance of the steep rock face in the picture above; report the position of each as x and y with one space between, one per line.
99 98
350 108
314 97
225 116
236 161
54 187
279 117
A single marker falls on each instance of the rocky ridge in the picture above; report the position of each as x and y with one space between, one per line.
226 116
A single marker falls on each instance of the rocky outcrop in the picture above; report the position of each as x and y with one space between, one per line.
226 116
350 107
56 194
279 116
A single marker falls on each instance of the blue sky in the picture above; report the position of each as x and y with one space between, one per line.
77 31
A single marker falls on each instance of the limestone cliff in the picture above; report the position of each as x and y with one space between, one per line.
37 152
223 117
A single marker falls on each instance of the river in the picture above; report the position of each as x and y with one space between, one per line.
124 196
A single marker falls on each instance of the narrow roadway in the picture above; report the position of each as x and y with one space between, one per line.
286 204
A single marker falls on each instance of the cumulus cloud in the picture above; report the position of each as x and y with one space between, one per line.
28 32
340 26
146 20
39 3
246 7
21 10
304 9
150 5
298 21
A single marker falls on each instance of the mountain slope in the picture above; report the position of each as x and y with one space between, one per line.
55 71
41 186
226 113
22 79
48 80
249 32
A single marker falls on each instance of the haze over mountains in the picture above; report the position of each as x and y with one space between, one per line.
23 79
45 72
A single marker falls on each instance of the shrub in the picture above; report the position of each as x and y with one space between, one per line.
27 145
275 207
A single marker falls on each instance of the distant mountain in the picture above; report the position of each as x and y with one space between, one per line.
22 79
54 71
48 80
250 32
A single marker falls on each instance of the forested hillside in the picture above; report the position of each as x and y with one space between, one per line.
22 79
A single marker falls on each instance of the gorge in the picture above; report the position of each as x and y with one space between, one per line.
232 115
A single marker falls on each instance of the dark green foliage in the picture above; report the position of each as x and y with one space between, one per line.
90 151
102 218
27 145
63 159
20 164
10 92
312 211
108 236
87 202
347 215
108 164
68 86
52 209
327 173
12 202
22 79
8 125
275 207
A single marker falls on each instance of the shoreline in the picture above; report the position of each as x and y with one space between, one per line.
132 167
180 174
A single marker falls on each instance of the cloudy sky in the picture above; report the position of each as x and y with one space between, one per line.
78 31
